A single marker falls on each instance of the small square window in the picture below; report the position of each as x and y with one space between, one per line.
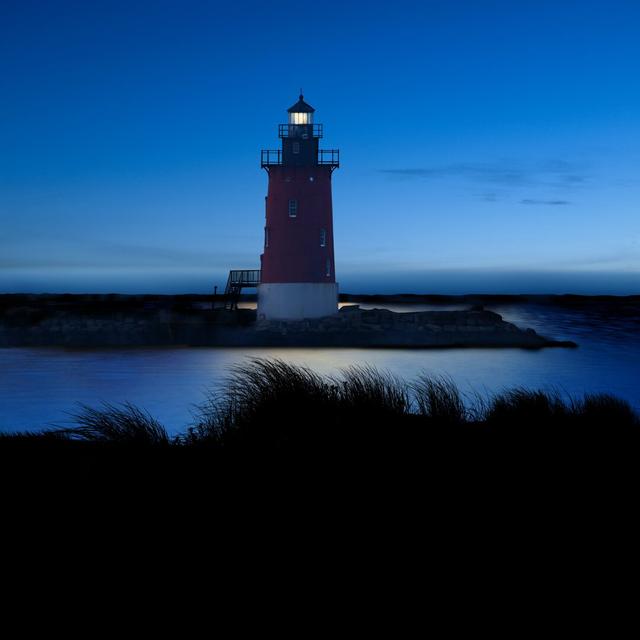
296 147
293 208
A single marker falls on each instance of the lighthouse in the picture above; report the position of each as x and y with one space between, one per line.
297 265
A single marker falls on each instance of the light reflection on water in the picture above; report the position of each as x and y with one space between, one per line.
38 386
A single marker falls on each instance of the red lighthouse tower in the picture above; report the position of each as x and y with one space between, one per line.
298 273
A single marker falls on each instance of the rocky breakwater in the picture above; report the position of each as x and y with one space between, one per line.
117 321
88 321
355 327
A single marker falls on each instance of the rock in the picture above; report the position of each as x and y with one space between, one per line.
82 322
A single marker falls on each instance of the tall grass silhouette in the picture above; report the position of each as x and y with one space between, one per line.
126 425
268 406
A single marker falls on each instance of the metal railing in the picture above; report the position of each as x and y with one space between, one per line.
300 130
329 156
273 157
243 278
270 157
239 278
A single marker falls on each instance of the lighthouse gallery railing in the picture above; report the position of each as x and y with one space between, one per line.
300 130
273 157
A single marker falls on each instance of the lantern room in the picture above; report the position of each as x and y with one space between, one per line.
301 112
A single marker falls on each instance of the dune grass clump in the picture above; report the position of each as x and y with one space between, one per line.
110 424
271 404
264 404
50 436
523 410
439 400
522 407
605 409
369 393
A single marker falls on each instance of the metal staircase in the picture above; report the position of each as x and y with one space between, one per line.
239 278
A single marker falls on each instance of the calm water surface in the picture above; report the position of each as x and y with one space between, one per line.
38 387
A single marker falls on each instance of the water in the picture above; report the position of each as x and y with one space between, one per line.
38 387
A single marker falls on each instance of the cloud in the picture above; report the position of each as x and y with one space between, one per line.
549 202
95 255
476 172
508 173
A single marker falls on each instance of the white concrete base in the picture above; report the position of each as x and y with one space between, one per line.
297 300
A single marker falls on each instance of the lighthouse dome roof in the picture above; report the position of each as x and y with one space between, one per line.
301 106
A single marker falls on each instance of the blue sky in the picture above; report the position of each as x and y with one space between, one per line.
485 146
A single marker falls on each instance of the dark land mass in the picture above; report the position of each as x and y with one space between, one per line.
386 433
115 320
616 305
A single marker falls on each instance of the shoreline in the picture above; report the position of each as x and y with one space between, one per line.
116 320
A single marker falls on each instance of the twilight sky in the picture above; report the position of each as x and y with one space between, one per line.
485 145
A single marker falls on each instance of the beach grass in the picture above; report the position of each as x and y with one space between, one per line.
271 407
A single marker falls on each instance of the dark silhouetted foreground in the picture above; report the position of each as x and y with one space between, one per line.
273 412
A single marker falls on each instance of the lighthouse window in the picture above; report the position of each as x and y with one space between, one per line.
296 147
300 118
328 268
323 237
266 237
293 208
